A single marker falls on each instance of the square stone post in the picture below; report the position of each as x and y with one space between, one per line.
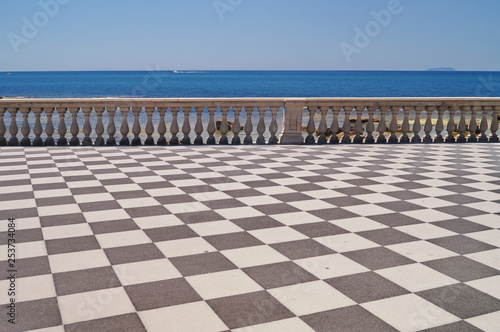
292 121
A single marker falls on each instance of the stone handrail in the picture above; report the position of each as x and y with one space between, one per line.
305 120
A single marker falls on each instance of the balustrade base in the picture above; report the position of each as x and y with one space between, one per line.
49 141
292 139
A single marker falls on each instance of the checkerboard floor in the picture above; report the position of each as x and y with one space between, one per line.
253 238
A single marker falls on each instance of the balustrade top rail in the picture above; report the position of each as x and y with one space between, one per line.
397 120
273 102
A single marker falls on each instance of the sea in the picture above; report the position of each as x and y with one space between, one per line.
199 83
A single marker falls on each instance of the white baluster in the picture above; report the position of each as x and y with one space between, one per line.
136 127
99 128
451 126
124 128
346 128
211 127
149 127
49 128
370 126
186 126
162 127
472 126
74 130
322 126
405 126
439 126
494 126
224 126
25 128
358 126
382 127
335 128
248 126
198 128
483 126
273 127
311 126
417 127
428 126
3 129
87 129
236 126
37 129
62 129
111 141
394 125
261 126
462 126
174 126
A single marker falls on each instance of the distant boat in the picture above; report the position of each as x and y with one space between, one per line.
9 74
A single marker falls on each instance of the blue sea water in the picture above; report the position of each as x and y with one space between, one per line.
179 84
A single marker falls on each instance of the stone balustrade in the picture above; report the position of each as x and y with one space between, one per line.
129 121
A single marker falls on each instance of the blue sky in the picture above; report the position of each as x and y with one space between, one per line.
249 34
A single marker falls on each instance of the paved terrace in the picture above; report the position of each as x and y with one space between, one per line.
253 238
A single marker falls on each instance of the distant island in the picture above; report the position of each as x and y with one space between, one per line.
442 69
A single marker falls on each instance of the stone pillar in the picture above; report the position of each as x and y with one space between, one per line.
292 122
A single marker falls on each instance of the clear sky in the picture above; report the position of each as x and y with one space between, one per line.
249 34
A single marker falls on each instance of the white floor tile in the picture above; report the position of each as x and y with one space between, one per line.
310 297
330 266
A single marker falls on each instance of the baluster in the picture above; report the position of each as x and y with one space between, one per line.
186 126
358 127
370 126
3 130
405 126
261 126
483 126
61 129
236 127
74 130
273 127
111 141
346 127
224 126
149 127
382 127
248 126
162 127
49 128
472 126
198 128
99 128
335 128
174 127
393 127
311 127
87 129
462 126
322 126
211 127
417 127
124 128
439 126
451 126
13 129
494 125
428 126
37 129
25 128
136 127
